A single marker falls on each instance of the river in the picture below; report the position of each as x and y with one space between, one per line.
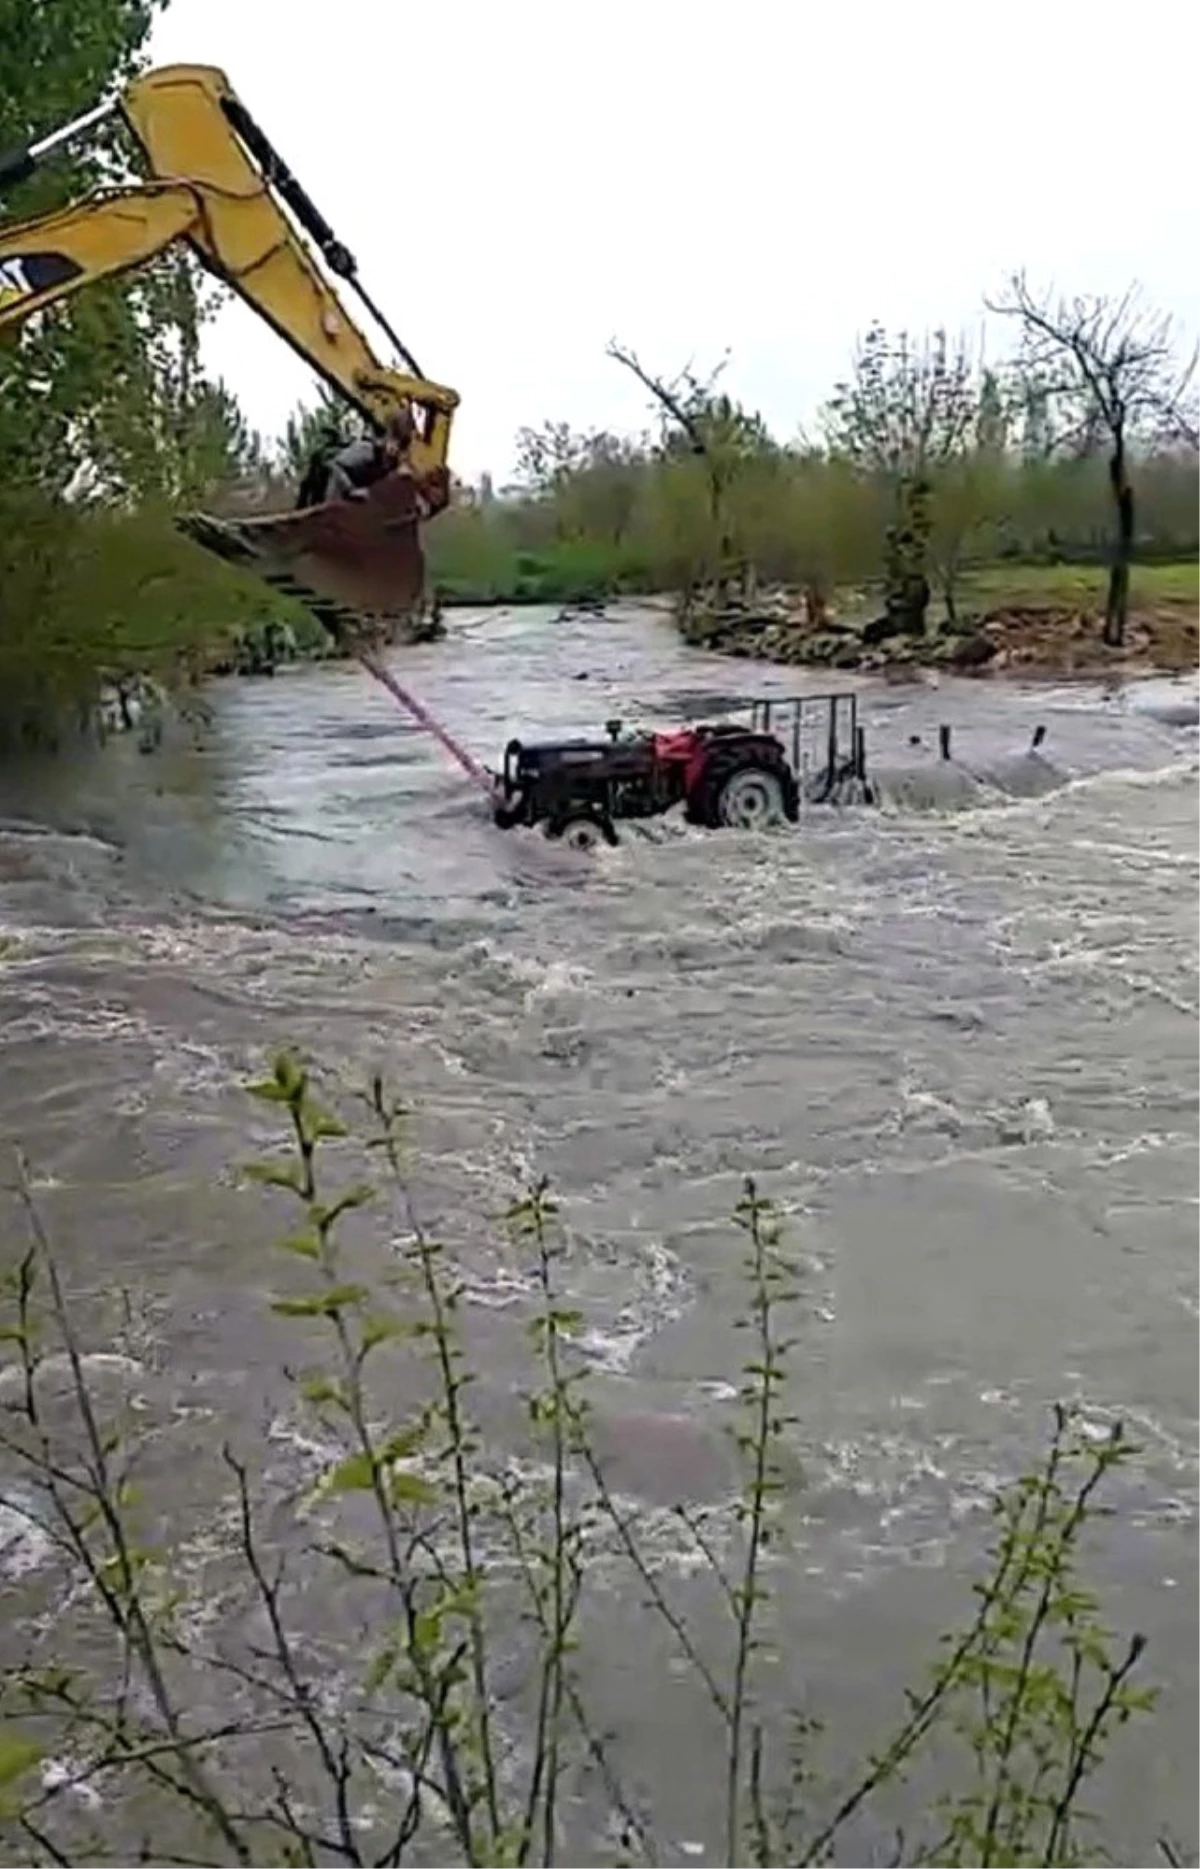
955 1038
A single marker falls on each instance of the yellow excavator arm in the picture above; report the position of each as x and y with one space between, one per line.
216 183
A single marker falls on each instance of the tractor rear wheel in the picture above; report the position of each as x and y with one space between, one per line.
745 791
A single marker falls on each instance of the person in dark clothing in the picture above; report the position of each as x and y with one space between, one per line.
357 465
311 490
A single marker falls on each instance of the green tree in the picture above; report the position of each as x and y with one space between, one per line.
107 418
602 499
182 436
970 492
107 392
908 412
588 483
74 385
810 521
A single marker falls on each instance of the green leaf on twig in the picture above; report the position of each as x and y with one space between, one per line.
355 1474
273 1175
303 1245
18 1755
321 1304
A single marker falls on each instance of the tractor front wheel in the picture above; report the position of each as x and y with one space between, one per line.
581 830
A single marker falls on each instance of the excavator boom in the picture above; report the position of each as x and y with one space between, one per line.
216 183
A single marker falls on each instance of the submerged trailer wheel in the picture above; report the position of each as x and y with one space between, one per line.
581 830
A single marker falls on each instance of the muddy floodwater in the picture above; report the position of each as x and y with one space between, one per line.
955 1038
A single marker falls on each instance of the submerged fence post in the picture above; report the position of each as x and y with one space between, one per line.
944 742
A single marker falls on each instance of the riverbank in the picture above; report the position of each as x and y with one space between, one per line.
1028 621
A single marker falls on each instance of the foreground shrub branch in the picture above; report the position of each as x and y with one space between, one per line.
459 1730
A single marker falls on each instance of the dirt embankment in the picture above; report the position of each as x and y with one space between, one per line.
1025 637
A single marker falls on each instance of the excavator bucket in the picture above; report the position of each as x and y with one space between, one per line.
357 564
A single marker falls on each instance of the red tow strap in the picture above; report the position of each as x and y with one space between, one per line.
470 766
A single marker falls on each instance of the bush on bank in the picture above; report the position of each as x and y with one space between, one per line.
94 594
139 1717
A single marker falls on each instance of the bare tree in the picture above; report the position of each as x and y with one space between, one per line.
1114 364
712 427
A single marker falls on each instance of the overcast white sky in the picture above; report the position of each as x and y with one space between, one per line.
520 180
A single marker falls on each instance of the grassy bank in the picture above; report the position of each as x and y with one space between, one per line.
1081 586
568 574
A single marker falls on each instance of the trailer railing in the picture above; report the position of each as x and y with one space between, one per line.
821 734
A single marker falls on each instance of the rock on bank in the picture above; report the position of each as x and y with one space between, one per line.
1030 638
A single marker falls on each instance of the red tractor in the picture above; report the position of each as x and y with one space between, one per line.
578 789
